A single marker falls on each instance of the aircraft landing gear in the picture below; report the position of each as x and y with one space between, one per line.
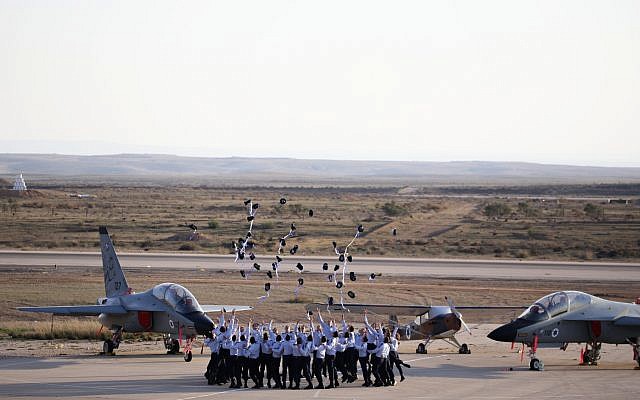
421 349
535 364
635 344
172 345
591 355
464 349
188 355
107 347
110 345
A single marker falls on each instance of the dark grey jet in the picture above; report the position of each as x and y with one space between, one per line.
573 317
168 308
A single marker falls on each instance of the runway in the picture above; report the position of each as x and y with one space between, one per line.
492 371
507 269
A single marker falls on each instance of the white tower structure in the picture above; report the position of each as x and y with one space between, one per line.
19 184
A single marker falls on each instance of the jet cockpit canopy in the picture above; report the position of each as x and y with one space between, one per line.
178 297
555 304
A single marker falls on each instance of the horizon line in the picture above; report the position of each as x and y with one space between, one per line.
555 163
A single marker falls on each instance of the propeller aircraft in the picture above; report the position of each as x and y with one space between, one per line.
431 323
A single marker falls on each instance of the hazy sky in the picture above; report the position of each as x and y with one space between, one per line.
544 81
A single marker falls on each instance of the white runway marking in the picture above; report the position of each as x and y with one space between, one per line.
427 358
209 394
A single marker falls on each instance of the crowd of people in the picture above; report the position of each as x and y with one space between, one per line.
330 353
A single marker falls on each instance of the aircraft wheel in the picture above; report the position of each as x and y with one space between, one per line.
107 347
174 347
188 356
464 349
422 349
536 365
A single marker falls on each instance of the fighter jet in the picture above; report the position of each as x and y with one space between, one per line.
573 317
431 323
167 308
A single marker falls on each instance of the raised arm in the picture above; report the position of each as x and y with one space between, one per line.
232 327
370 329
319 316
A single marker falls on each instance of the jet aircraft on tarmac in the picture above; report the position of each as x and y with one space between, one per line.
167 308
574 317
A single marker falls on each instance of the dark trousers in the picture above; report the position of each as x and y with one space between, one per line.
352 362
253 370
364 366
331 369
296 362
244 366
263 366
224 368
394 360
235 370
212 368
286 369
340 363
375 368
383 371
275 370
318 363
306 372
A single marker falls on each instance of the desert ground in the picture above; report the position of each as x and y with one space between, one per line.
493 224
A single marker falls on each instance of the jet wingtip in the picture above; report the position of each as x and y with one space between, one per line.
103 230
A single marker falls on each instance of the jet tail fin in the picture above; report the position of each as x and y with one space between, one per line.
115 283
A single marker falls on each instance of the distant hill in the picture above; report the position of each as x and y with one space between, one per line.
258 169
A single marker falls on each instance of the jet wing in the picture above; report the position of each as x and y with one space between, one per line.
394 309
77 310
617 320
224 307
628 321
385 309
491 307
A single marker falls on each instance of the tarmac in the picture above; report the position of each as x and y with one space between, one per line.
489 268
492 371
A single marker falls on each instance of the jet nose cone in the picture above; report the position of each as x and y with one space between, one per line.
504 333
202 324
